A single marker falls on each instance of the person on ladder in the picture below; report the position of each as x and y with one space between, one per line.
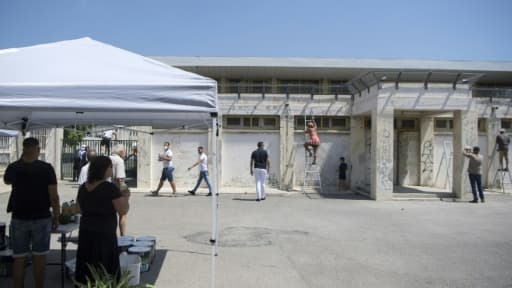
313 141
502 142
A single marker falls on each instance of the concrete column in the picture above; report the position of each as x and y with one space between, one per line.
223 83
427 151
358 155
144 156
465 133
492 164
324 86
287 153
53 149
382 154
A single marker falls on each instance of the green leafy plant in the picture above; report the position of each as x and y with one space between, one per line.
72 137
102 279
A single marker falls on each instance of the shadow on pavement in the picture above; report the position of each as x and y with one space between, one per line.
151 276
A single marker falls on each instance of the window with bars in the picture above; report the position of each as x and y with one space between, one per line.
443 124
251 122
325 122
482 125
506 124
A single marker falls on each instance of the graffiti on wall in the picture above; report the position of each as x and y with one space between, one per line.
427 157
384 167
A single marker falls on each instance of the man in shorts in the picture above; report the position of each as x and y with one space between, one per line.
167 170
34 191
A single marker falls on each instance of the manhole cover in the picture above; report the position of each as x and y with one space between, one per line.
237 237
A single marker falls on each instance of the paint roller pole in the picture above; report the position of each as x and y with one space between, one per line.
213 239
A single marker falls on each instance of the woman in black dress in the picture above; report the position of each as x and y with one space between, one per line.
100 203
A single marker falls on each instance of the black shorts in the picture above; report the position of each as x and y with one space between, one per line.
105 141
342 176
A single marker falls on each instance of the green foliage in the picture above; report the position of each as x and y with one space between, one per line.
102 279
72 138
73 135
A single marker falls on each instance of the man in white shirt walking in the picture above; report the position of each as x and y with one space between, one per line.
203 171
167 170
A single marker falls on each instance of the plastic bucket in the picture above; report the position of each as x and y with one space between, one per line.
144 253
123 245
149 244
132 264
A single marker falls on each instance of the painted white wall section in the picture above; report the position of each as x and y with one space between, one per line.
332 147
443 161
359 161
427 151
184 148
408 157
237 148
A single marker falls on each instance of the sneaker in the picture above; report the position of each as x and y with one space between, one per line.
473 201
263 198
258 200
153 193
506 169
482 201
192 192
209 194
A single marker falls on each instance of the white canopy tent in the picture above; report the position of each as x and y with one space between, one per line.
86 81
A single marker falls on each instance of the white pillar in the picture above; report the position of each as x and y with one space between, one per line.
382 154
144 157
427 151
287 155
358 154
465 133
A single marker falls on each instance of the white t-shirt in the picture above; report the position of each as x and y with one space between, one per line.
204 162
83 174
108 134
167 163
118 170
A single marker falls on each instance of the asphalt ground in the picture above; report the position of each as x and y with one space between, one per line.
296 240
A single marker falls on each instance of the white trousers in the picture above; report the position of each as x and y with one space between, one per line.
261 176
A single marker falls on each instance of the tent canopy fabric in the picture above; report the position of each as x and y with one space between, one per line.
86 81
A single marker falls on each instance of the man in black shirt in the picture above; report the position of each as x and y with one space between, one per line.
34 190
261 166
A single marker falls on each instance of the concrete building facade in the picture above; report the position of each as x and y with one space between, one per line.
397 123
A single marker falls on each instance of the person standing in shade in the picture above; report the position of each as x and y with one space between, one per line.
203 171
167 170
91 154
342 174
260 166
34 191
99 201
475 172
118 178
502 142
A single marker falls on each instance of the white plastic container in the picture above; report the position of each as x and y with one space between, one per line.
131 263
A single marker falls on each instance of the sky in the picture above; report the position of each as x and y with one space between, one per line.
395 29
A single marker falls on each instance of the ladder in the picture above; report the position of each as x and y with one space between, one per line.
312 181
505 181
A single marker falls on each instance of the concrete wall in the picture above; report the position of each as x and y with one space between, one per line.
236 150
407 155
184 147
332 147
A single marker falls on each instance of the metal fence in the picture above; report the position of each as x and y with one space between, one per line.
69 152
